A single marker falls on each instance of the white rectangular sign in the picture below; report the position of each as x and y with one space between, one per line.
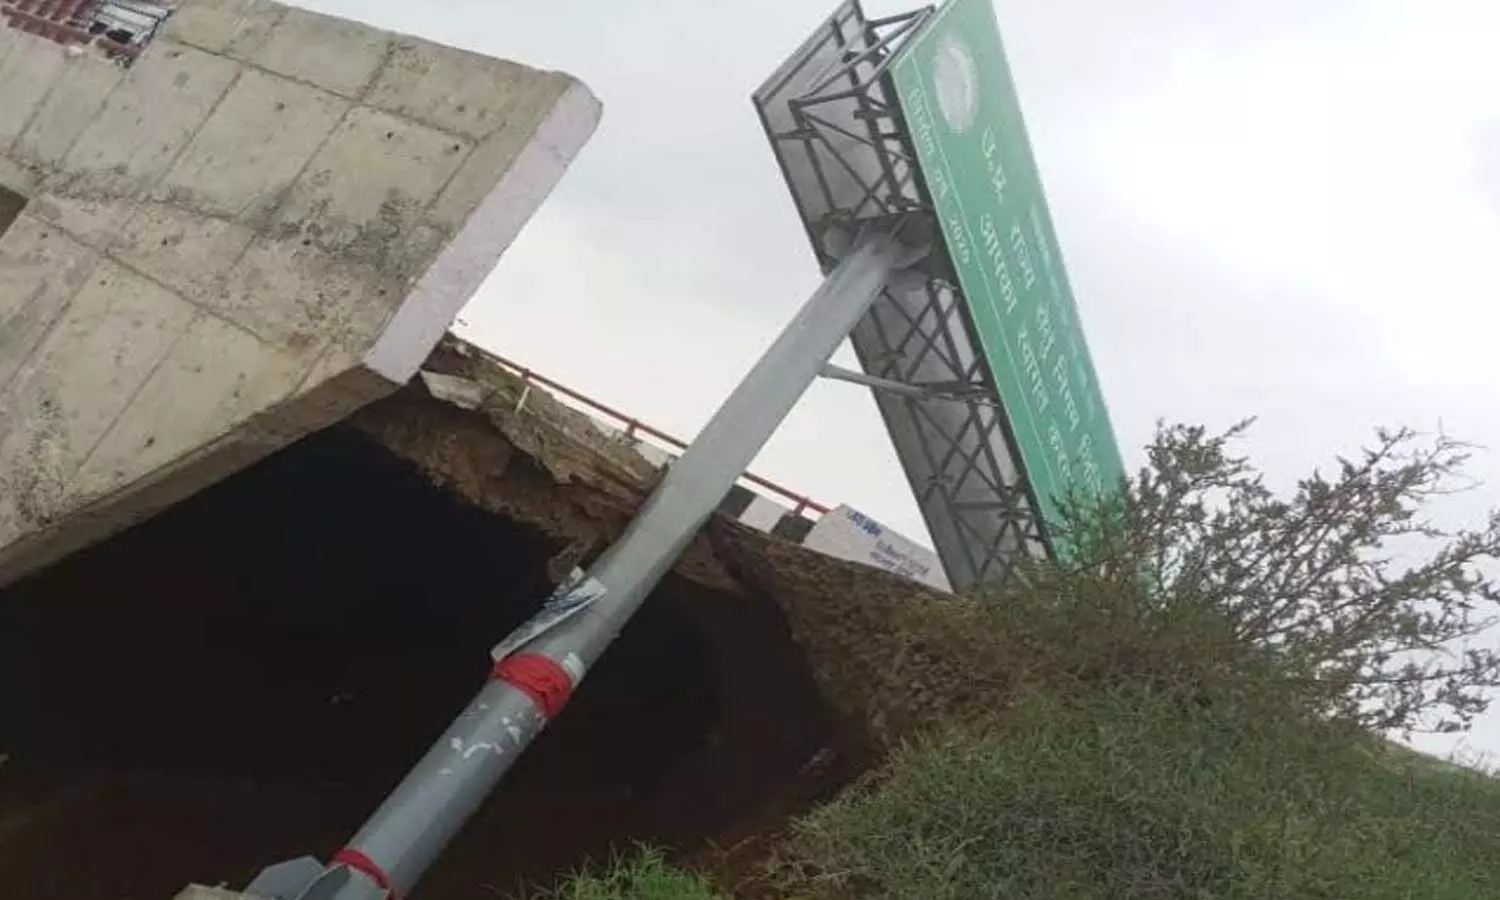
847 533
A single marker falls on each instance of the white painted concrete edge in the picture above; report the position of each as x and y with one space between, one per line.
472 255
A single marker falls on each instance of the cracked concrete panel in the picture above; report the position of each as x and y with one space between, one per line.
315 295
76 204
40 270
216 378
108 341
185 250
234 27
79 93
348 344
370 184
252 148
277 252
334 54
26 76
450 88
16 177
152 116
147 121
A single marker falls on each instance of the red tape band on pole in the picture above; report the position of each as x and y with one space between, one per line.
546 682
365 866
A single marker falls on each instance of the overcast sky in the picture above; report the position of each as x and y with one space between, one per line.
1268 207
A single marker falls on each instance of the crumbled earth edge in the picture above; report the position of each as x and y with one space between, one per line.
889 655
896 655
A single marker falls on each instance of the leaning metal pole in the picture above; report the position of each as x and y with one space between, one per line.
537 668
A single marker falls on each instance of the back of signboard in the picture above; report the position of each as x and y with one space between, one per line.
989 428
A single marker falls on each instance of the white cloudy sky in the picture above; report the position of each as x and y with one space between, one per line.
1269 207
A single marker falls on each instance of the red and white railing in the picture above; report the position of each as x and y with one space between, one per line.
634 428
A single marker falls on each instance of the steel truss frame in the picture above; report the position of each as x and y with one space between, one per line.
842 143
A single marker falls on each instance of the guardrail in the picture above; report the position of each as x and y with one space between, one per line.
633 427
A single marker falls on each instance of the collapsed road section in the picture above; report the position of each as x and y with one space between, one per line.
242 677
238 595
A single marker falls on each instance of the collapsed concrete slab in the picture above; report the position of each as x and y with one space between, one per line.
230 229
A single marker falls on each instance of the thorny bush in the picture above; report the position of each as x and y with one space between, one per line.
1341 598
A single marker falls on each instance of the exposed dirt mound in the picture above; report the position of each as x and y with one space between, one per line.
243 678
892 655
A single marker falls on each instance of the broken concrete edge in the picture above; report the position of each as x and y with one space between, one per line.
180 479
840 532
464 424
470 376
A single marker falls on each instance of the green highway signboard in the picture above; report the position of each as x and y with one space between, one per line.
960 105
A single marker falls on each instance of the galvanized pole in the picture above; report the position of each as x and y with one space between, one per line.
537 668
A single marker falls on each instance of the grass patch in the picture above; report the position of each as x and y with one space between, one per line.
646 876
1126 796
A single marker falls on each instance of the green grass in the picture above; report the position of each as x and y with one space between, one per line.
1127 797
644 877
1146 757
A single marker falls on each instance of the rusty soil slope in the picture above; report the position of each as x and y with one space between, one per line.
242 679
